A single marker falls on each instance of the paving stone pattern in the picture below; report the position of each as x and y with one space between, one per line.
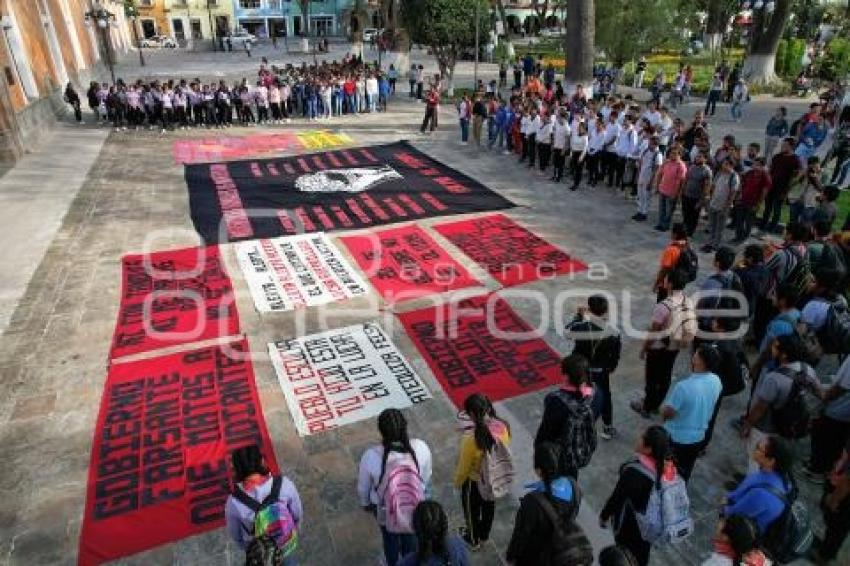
53 359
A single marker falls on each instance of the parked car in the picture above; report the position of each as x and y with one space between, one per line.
159 41
242 36
551 32
369 34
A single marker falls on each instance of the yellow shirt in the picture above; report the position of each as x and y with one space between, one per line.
469 459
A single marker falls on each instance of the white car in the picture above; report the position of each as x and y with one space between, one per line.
242 36
369 34
551 32
159 41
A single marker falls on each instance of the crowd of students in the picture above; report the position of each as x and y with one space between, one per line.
312 92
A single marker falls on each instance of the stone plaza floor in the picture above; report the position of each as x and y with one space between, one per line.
121 187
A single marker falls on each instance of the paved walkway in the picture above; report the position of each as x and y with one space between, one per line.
52 355
34 197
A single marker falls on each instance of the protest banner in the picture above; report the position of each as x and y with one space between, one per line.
296 271
468 358
173 297
337 377
406 263
511 254
332 190
160 459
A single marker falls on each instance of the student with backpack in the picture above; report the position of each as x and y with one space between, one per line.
717 290
434 546
754 278
673 328
788 264
568 417
765 493
650 500
827 315
545 531
832 427
733 367
600 344
484 469
263 514
392 481
677 255
736 544
777 405
688 408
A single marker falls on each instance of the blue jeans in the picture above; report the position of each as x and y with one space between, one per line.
464 129
397 546
737 110
666 208
311 108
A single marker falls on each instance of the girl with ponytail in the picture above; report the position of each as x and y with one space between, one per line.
631 494
554 496
395 449
434 546
481 430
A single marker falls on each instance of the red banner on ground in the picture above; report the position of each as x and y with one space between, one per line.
480 345
406 263
160 457
510 253
171 298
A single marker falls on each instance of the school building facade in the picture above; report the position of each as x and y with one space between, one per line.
45 45
267 18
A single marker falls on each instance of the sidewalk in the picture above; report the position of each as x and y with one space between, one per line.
34 198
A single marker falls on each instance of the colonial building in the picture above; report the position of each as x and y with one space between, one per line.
265 18
195 21
152 18
46 44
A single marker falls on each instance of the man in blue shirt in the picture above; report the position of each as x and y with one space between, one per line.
688 408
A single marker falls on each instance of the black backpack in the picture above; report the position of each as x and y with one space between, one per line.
791 420
734 370
569 545
725 302
800 276
578 436
790 536
688 263
834 335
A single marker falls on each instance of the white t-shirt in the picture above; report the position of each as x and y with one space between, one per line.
544 133
561 132
579 142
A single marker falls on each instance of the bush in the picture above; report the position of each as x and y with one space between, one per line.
794 57
835 64
781 54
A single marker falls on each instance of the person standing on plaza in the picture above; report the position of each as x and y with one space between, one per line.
673 327
688 408
651 464
482 432
609 153
411 79
392 77
776 130
479 114
596 142
578 153
600 343
715 91
560 138
725 188
429 122
72 98
696 191
544 141
784 169
464 110
372 93
755 184
648 163
640 72
420 81
434 545
669 180
740 96
397 456
535 121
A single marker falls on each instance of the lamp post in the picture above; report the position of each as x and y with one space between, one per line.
132 13
102 18
475 67
212 27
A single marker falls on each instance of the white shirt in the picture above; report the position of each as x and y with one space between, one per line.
544 132
578 142
372 85
612 132
654 117
561 132
626 142
370 469
524 124
535 125
597 140
650 161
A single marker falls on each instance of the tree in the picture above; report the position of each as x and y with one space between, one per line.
447 27
506 29
541 10
626 29
718 14
766 31
580 41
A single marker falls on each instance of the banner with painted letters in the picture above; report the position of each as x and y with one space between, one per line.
296 272
337 377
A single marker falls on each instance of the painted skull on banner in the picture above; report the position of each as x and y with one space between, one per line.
354 180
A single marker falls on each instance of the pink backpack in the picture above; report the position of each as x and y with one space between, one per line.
402 489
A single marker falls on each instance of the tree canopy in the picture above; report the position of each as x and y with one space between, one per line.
626 29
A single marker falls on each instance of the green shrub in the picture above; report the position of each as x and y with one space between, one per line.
794 58
781 53
835 64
